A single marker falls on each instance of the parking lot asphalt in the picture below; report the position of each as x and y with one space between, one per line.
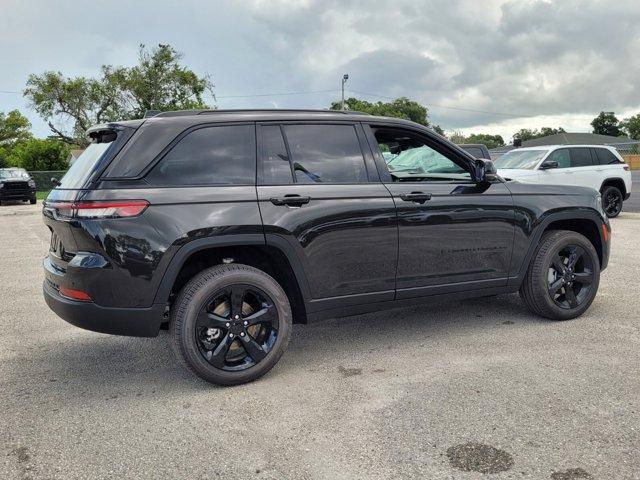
438 392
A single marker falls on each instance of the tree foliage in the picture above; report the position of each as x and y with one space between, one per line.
525 134
606 123
14 128
631 126
38 154
399 108
490 141
158 82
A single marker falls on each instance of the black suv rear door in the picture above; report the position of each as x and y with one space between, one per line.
321 201
454 234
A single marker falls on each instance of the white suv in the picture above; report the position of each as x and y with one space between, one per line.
595 166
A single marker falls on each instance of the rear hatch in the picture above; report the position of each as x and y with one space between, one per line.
106 142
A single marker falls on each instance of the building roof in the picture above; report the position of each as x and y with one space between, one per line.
567 138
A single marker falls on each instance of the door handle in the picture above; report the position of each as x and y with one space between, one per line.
417 197
291 200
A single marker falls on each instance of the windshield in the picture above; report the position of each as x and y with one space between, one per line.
84 165
13 173
525 159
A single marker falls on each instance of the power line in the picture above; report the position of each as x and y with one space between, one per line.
275 94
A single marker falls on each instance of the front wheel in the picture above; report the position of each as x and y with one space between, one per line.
230 324
563 276
612 201
33 200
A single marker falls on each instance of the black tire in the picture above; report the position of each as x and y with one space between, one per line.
196 297
612 201
545 275
33 201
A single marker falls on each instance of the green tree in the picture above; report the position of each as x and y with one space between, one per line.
491 141
457 137
438 129
399 108
158 82
38 154
606 123
14 128
631 126
525 134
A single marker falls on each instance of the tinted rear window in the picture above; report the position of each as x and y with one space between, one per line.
84 166
605 157
275 166
475 151
580 157
222 155
326 153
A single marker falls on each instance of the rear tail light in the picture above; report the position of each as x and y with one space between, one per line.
74 294
99 209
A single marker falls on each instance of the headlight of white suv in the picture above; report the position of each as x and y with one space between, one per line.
32 183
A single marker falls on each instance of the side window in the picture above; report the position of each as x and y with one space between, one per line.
581 157
605 157
561 156
275 168
326 154
410 159
222 155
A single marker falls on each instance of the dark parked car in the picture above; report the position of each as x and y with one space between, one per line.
232 225
17 184
478 150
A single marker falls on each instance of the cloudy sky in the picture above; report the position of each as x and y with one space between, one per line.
480 66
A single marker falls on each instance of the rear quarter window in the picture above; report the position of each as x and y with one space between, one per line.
216 155
605 157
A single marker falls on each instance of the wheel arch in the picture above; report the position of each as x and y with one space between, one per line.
252 250
614 182
586 223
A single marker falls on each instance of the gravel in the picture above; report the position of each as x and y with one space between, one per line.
394 394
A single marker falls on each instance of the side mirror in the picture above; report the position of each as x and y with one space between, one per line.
485 170
55 182
547 164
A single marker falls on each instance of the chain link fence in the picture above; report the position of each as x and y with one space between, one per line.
43 178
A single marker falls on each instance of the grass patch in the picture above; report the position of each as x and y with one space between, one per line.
42 195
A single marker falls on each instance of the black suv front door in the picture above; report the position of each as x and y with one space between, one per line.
454 234
321 200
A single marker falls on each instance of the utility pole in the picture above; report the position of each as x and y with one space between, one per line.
345 77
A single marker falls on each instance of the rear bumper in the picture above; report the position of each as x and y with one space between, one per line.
134 322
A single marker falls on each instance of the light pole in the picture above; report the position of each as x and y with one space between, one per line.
345 77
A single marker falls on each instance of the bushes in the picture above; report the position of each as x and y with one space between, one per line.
37 154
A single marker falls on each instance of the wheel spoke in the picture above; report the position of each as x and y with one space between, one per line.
571 297
236 296
558 265
555 286
584 278
267 314
206 319
219 355
255 351
575 255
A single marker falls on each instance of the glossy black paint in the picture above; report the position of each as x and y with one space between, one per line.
351 247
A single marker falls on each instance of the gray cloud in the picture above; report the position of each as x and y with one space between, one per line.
517 58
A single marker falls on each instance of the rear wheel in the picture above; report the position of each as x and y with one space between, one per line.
231 324
563 277
612 201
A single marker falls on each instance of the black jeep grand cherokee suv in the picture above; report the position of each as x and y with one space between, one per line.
232 225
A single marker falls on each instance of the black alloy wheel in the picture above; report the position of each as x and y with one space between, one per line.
237 328
230 324
570 277
612 201
563 276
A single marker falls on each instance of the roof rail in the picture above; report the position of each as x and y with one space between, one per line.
180 113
